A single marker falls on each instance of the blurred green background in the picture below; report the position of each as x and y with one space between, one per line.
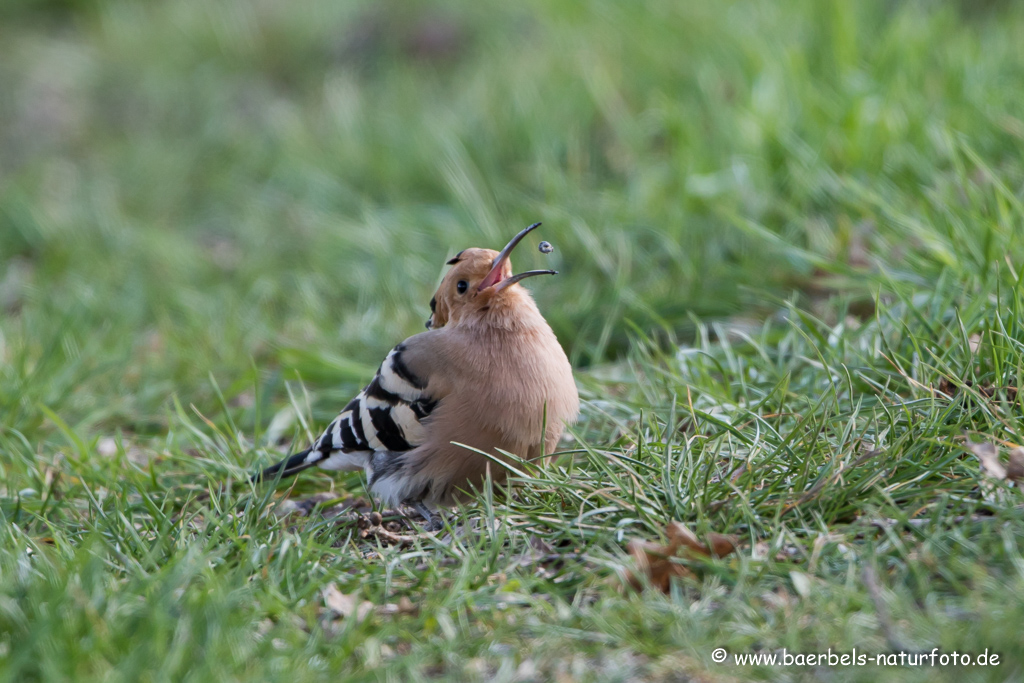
190 187
202 202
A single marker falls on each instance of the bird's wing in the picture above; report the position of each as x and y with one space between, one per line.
389 415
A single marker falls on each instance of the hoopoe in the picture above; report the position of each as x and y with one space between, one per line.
488 373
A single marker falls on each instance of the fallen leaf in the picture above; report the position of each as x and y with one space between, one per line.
719 545
655 561
680 536
1015 468
404 606
722 544
992 466
342 603
947 388
345 605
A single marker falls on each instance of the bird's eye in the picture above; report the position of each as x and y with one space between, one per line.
461 286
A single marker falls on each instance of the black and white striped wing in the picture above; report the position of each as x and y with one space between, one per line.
387 416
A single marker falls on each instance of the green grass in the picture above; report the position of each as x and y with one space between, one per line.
790 243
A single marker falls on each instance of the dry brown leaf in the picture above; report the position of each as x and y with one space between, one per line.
345 605
989 457
949 389
1015 468
719 545
722 544
679 536
404 606
991 465
342 603
655 560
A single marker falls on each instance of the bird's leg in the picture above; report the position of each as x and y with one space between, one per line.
434 520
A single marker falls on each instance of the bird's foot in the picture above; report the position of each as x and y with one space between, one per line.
434 520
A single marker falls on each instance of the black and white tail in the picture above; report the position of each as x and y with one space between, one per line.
290 466
385 417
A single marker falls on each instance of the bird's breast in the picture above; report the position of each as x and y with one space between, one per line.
518 381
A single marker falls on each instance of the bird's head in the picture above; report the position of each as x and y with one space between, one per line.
480 281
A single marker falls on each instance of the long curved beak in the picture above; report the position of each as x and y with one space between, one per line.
494 278
521 276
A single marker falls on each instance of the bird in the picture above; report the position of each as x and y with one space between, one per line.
487 374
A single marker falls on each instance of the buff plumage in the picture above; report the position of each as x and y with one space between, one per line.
488 373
